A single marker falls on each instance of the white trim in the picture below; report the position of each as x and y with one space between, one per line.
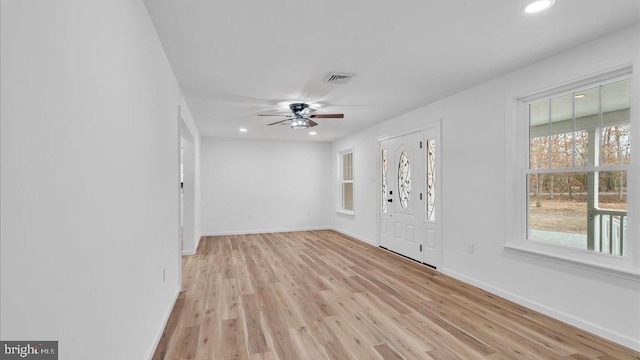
586 82
350 150
199 237
179 241
344 232
386 137
188 252
583 169
517 168
154 347
380 139
186 135
554 313
439 184
576 262
265 231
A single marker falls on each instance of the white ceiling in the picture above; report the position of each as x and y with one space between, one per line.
235 59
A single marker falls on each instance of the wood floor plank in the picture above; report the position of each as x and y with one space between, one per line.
230 299
306 346
387 353
355 344
336 351
253 325
443 354
185 346
210 338
288 308
233 344
277 329
322 295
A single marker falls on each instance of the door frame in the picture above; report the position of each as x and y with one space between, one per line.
179 123
188 208
421 130
439 184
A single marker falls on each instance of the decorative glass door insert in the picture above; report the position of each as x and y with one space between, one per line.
431 179
404 180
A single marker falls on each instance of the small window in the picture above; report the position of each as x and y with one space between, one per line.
579 152
346 181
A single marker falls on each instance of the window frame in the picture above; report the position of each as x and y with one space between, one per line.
517 168
342 181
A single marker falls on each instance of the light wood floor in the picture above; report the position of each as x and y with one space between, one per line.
322 295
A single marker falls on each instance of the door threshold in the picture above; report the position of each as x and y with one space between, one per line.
406 257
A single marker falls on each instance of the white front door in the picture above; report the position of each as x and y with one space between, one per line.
402 210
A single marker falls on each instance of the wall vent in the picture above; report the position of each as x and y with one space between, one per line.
338 78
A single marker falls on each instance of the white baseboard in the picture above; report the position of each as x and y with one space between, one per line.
264 231
372 243
193 252
164 325
198 238
558 315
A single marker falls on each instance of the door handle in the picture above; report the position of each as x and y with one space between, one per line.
390 200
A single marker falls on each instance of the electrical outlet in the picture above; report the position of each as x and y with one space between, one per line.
471 248
164 274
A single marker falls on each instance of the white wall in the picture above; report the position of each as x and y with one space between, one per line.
262 185
89 177
474 200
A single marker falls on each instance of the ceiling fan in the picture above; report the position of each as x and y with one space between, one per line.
302 115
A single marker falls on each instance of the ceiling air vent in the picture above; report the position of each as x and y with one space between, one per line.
338 78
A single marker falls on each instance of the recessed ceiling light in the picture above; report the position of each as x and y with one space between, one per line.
580 96
538 5
243 130
312 133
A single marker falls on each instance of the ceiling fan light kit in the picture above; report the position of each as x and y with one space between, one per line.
300 124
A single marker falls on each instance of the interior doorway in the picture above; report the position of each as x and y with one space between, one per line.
181 194
187 191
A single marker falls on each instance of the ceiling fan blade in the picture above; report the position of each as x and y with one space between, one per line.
312 123
278 122
281 115
327 116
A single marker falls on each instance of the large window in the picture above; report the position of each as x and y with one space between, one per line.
579 156
346 181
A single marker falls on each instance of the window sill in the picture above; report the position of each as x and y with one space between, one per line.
578 263
345 212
